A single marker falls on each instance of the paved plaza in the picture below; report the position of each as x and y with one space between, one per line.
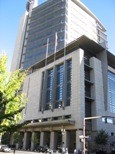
24 152
20 152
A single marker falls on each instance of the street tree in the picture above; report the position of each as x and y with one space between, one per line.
101 139
17 137
12 101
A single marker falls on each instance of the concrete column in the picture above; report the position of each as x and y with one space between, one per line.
97 92
78 143
52 140
42 138
65 139
32 143
25 139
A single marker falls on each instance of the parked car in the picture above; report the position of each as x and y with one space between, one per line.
4 148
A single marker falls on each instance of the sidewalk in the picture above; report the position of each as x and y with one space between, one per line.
21 152
24 152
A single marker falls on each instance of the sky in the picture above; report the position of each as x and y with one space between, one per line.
12 10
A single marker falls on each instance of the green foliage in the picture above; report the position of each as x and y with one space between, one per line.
101 138
6 138
35 139
17 137
12 102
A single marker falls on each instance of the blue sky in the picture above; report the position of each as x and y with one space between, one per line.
12 10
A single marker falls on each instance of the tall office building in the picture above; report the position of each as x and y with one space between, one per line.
51 26
71 75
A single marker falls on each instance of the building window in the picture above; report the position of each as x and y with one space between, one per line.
42 90
111 92
112 134
69 77
87 109
59 86
87 90
56 88
49 89
87 74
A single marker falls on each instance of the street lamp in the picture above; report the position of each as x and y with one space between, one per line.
90 118
63 144
63 133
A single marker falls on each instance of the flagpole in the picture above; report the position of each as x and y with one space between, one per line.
55 49
56 39
44 76
47 47
63 105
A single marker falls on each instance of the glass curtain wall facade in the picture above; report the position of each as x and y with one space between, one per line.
68 85
45 20
58 85
55 23
49 89
111 79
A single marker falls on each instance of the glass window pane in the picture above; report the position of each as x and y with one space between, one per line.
111 92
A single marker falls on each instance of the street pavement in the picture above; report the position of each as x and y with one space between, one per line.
20 152
23 152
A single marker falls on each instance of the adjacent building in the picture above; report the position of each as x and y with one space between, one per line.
71 74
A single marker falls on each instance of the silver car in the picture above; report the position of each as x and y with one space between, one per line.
5 148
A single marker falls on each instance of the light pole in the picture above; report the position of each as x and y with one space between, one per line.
63 133
95 117
84 137
90 118
63 144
